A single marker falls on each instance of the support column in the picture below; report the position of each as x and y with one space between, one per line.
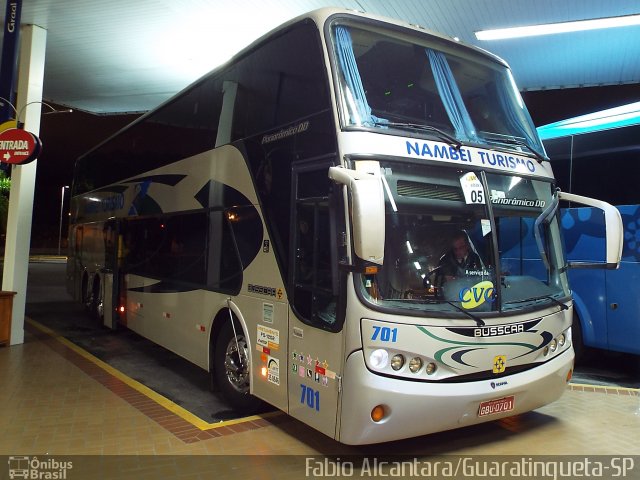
33 40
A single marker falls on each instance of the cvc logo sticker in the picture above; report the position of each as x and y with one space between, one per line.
472 297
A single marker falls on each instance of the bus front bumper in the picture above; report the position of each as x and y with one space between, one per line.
418 408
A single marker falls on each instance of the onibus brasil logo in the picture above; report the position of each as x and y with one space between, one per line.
33 468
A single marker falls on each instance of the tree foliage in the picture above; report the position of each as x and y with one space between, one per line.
5 186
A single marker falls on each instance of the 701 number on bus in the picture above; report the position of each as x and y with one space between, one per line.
385 334
311 397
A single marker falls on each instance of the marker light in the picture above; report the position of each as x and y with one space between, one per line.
397 362
263 371
122 309
415 364
379 358
377 413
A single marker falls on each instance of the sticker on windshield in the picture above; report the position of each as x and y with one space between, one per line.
486 227
472 188
498 197
472 297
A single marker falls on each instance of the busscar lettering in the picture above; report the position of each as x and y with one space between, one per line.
498 330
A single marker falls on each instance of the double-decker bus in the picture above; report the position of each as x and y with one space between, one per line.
287 223
597 155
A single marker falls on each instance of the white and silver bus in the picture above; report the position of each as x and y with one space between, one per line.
287 223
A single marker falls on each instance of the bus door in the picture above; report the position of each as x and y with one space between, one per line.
110 273
622 300
316 347
606 299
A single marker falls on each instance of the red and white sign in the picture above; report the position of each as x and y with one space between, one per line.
17 146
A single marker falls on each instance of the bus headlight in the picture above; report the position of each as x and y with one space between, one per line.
553 345
431 368
379 358
415 364
397 362
562 340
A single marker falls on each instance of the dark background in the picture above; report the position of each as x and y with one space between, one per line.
66 136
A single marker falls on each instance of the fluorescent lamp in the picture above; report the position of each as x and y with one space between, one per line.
623 116
410 250
564 27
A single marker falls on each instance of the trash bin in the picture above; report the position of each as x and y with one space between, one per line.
6 308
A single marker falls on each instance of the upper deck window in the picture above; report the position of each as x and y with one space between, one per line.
399 80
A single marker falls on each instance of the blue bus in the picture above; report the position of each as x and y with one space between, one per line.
598 155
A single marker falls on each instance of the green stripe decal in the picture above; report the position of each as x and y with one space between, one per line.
440 353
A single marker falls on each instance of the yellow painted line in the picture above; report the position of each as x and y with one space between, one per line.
143 389
604 387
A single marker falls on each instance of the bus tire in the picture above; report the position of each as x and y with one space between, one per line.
84 292
577 338
232 369
97 302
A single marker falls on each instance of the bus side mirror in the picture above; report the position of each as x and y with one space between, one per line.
367 214
613 226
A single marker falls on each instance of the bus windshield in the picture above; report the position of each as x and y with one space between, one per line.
448 252
423 85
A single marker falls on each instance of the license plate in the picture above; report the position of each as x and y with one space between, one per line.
493 407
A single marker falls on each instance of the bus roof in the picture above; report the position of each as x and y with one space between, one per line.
623 116
319 17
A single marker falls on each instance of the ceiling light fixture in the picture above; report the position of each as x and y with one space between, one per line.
563 27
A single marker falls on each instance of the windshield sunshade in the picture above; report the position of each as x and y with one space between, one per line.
403 83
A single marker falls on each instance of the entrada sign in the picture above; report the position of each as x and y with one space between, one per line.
17 146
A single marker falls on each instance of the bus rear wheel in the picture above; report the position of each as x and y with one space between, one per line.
96 308
232 369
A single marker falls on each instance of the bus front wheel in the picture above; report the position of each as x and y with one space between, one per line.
578 340
232 368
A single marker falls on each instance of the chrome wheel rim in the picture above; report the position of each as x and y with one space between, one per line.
236 364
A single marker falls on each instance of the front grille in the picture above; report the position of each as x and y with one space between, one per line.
489 375
429 190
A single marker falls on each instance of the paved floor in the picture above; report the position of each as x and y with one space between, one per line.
59 402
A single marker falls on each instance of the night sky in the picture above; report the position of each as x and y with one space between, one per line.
66 136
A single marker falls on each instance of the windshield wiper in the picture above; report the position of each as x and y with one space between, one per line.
562 306
477 319
514 141
451 140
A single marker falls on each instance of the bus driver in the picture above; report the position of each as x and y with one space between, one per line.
458 260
